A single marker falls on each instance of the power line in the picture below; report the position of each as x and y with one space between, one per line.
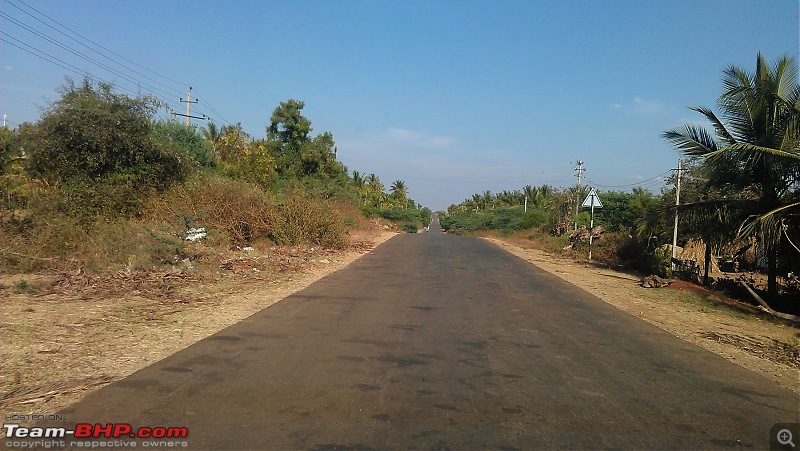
158 93
94 43
83 56
47 57
657 179
115 54
58 62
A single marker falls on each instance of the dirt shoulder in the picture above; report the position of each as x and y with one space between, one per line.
65 335
754 341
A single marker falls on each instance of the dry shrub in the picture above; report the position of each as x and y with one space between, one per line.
312 221
64 242
240 211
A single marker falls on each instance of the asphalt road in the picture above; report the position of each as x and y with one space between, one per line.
438 341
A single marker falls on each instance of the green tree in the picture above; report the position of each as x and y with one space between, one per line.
97 145
399 191
289 127
753 155
185 139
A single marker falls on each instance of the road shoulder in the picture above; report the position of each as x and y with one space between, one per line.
61 345
757 343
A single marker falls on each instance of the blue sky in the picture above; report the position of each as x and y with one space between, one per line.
454 97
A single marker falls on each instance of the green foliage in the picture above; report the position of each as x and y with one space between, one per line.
505 220
753 160
104 187
535 218
296 153
93 132
94 142
409 227
583 218
461 223
10 148
255 163
624 212
397 214
187 140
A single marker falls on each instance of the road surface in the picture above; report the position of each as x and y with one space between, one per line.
439 341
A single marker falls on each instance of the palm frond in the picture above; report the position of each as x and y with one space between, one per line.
745 150
753 223
719 127
691 140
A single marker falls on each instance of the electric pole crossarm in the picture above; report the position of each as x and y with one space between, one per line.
203 117
188 103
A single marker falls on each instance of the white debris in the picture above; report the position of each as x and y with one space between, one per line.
196 234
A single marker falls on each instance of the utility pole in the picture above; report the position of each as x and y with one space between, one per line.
677 203
188 114
189 105
580 170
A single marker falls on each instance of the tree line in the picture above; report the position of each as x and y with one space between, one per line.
97 158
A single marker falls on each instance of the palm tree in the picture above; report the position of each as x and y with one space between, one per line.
754 156
477 200
211 135
399 191
360 184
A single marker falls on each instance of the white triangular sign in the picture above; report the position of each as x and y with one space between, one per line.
592 198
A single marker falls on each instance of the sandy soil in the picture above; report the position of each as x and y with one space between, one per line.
755 341
65 335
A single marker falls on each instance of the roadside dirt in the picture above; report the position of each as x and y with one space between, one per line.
66 334
752 340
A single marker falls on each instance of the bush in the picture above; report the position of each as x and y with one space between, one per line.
503 219
535 218
240 211
409 227
313 221
98 146
184 139
461 223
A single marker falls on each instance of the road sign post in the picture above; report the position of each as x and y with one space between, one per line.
592 201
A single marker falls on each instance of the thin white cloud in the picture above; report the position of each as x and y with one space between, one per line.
419 139
640 106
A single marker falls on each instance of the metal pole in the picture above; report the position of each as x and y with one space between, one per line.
591 226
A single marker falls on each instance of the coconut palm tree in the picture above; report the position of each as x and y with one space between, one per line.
754 154
399 191
211 135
